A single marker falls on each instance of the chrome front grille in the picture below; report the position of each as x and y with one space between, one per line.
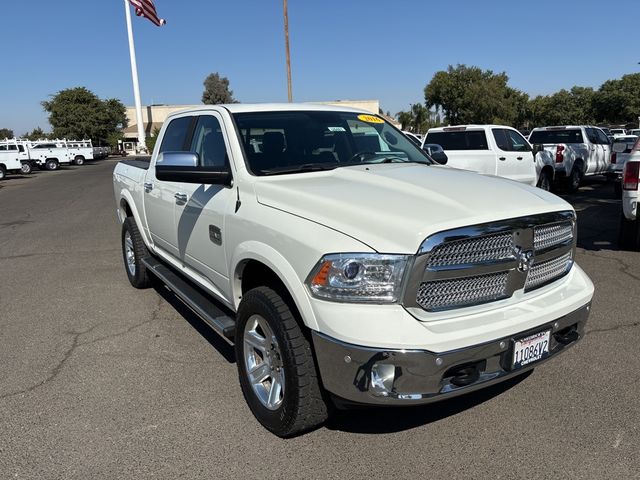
490 248
549 271
444 294
546 236
483 263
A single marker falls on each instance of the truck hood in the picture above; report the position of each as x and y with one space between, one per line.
392 208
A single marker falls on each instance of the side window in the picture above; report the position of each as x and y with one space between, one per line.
3 148
591 135
602 137
175 136
501 139
517 141
208 142
20 148
12 148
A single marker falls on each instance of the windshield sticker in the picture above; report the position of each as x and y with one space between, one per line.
370 119
336 129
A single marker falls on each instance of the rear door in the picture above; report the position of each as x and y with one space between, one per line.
159 196
200 217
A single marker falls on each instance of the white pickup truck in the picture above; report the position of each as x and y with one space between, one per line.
579 151
50 154
629 220
493 150
344 264
13 158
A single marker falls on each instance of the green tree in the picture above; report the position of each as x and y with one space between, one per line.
6 133
36 134
471 95
152 139
216 90
618 101
78 113
566 107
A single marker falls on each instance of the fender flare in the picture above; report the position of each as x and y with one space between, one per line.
126 196
253 250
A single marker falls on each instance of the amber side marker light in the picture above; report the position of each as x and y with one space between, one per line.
322 277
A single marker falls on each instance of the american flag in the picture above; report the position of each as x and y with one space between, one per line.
146 9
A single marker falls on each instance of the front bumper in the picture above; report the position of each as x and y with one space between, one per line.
378 376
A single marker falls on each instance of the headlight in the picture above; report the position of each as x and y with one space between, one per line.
358 277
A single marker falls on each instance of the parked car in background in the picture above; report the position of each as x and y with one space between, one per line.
487 149
417 139
635 131
629 221
10 161
623 149
346 267
579 151
20 150
618 132
80 151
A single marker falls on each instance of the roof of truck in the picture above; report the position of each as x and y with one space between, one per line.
275 107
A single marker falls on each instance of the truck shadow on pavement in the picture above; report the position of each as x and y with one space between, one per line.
599 210
197 323
380 420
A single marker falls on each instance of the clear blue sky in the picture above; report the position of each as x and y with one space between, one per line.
341 49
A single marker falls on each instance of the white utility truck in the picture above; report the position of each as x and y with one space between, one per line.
345 265
13 158
50 154
491 150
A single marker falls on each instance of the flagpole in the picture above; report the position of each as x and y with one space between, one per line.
286 39
142 145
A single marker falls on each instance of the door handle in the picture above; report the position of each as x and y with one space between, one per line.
502 158
519 158
181 197
148 186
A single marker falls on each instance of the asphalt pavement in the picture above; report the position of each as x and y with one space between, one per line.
102 381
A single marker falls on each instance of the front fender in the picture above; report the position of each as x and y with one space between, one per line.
254 250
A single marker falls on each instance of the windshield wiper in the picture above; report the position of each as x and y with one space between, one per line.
306 167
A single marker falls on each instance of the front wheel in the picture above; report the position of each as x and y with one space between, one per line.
276 367
79 161
575 178
3 172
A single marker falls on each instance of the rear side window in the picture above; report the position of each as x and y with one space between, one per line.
557 136
465 140
175 136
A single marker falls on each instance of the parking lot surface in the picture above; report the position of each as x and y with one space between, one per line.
99 380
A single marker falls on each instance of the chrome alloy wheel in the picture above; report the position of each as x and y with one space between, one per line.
263 362
130 254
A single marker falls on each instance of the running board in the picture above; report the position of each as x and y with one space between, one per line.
223 324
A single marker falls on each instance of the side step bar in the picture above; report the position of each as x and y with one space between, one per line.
217 319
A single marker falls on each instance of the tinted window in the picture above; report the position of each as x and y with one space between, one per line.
3 148
501 139
21 148
591 135
556 136
175 136
208 142
465 140
280 142
517 143
12 147
602 138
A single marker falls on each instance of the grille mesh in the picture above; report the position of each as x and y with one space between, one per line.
442 294
472 250
548 271
546 236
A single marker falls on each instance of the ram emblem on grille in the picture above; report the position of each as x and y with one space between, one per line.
525 259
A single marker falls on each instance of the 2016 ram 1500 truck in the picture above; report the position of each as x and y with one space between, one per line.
344 264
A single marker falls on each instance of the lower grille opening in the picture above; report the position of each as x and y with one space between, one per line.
567 335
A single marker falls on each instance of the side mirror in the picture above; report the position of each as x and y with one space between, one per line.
619 147
537 148
184 167
436 152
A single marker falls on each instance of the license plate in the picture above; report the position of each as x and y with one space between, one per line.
530 349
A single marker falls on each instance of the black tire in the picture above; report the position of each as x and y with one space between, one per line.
79 160
51 164
544 182
629 234
617 188
575 178
26 168
302 406
139 277
3 172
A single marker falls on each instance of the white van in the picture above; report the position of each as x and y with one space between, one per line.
10 161
487 149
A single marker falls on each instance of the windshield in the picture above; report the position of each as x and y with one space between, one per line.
556 136
301 141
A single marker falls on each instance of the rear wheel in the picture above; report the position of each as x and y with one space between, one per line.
276 367
133 251
79 160
575 178
51 164
629 233
544 182
26 168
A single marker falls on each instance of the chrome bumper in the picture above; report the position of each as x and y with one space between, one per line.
376 376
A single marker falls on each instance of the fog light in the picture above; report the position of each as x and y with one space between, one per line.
382 377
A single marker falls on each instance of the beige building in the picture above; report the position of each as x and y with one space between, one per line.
153 116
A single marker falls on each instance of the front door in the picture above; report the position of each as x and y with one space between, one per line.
200 215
